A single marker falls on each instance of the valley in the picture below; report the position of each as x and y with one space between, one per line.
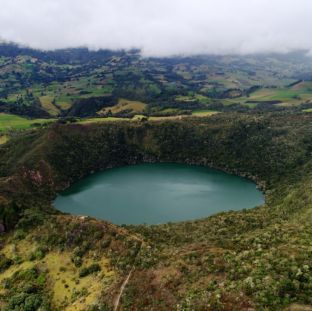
82 83
256 258
155 155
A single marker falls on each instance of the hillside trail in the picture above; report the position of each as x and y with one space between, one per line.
122 288
125 282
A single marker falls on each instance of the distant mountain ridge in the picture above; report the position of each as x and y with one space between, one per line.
56 80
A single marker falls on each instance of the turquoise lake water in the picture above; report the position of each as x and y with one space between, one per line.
158 193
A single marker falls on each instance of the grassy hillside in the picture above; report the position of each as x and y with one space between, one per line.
258 259
53 83
124 106
10 122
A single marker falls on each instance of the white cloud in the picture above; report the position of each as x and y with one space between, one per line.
160 27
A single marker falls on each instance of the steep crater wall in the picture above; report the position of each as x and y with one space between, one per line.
36 166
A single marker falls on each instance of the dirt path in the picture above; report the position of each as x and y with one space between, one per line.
125 282
122 288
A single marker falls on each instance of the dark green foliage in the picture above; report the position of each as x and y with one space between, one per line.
5 263
27 291
24 301
31 218
77 261
258 258
89 270
89 106
33 110
39 253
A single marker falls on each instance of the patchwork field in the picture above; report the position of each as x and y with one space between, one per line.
56 82
292 95
278 96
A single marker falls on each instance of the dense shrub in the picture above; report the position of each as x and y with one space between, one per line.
89 270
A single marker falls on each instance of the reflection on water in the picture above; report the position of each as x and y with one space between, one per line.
158 193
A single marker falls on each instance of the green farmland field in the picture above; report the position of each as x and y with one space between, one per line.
12 122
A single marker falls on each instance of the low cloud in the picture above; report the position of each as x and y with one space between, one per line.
160 27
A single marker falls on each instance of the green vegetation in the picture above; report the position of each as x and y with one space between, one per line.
43 262
82 83
253 259
10 122
246 115
89 270
290 95
124 108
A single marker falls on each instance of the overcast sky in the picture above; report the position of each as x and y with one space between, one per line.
160 27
